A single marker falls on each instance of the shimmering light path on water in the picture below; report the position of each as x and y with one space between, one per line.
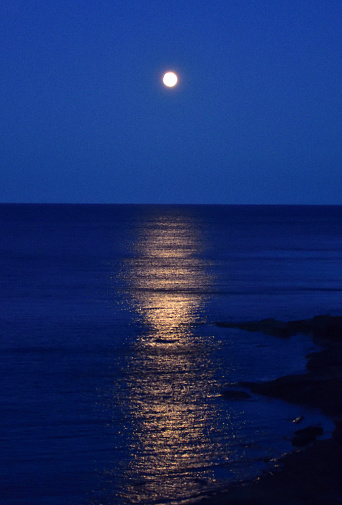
170 373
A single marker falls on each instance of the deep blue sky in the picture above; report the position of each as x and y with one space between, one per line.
256 117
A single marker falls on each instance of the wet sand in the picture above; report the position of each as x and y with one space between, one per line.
311 474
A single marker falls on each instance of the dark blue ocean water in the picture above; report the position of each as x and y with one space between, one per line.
111 364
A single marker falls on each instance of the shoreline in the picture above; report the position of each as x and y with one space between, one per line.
311 474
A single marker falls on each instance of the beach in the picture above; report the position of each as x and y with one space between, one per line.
312 473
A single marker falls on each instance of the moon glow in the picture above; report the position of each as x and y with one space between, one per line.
170 79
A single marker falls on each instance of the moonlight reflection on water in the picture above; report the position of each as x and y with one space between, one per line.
171 376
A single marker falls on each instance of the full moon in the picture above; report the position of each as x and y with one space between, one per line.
170 79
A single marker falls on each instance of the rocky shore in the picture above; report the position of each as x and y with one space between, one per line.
310 475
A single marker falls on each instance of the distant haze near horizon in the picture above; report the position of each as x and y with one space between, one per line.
254 119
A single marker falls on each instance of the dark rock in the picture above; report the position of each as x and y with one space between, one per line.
267 326
323 327
328 358
324 392
337 433
306 436
310 430
234 394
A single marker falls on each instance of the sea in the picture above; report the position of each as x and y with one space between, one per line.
112 362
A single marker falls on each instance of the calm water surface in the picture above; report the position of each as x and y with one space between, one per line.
112 364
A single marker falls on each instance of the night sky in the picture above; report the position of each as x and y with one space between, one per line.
255 119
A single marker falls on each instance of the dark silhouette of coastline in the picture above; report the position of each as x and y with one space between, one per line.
311 475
